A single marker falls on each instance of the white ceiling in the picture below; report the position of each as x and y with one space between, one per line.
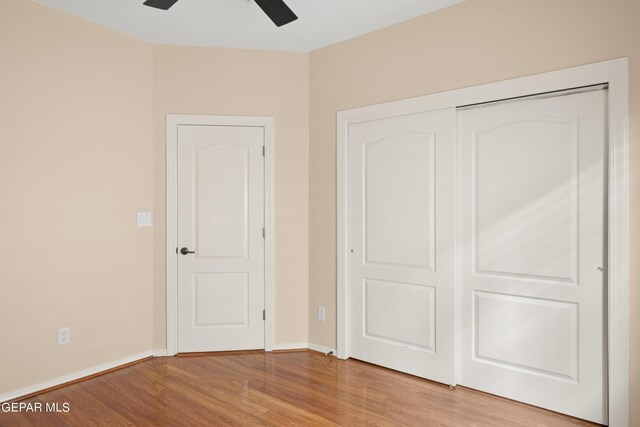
242 24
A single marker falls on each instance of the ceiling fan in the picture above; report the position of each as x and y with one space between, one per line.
276 10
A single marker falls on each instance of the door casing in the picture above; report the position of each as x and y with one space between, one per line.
612 72
172 123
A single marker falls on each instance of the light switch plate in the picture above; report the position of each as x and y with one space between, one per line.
144 219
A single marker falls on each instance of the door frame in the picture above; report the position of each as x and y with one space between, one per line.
612 72
172 123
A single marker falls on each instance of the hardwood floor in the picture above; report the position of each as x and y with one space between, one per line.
297 389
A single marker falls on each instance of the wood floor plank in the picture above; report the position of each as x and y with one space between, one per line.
257 388
92 408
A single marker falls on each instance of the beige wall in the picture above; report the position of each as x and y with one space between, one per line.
245 83
75 166
476 42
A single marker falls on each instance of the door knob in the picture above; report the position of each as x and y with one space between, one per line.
185 251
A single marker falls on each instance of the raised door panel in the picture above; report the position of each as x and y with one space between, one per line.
400 313
399 200
533 335
526 198
221 299
222 179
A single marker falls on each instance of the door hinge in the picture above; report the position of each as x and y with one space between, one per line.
264 233
263 151
264 315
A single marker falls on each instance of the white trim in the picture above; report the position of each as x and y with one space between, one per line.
302 346
270 240
73 376
321 349
342 223
613 72
290 346
160 352
618 245
173 121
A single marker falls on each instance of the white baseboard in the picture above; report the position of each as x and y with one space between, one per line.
303 345
74 376
290 346
162 352
321 349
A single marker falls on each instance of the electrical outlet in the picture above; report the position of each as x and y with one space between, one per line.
64 336
321 313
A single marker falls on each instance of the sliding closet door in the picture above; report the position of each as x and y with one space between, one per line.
532 256
401 222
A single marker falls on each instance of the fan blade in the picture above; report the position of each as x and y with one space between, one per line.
277 11
160 4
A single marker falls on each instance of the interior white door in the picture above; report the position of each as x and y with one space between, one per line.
532 255
401 222
220 220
